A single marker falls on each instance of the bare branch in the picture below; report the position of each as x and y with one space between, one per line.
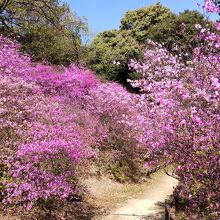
4 5
171 175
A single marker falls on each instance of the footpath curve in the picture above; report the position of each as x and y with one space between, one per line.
150 204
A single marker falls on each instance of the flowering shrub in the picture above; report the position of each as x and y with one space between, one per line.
120 111
211 7
116 107
44 130
53 118
12 61
17 111
185 98
71 83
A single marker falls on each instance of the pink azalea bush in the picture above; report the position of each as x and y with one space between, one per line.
54 118
70 83
118 110
44 130
185 98
12 61
210 7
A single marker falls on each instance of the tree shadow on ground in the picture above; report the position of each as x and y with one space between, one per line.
157 216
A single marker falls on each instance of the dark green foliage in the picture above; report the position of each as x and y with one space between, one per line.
155 22
111 47
120 46
138 23
178 30
4 178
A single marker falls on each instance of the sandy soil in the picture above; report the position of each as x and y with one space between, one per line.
117 201
144 202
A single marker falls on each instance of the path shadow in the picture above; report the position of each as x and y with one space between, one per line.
157 216
130 215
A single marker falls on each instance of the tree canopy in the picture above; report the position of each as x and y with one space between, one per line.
137 23
46 28
113 49
178 30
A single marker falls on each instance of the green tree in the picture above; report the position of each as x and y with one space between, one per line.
111 52
155 22
179 30
47 29
137 23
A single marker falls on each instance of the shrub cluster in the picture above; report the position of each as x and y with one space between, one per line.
185 100
54 118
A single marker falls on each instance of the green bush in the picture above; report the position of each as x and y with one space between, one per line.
4 179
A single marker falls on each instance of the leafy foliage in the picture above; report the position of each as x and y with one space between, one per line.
113 49
47 30
185 99
179 31
53 119
137 23
111 52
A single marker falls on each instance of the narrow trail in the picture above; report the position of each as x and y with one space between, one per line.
150 204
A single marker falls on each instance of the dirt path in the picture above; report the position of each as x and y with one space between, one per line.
147 206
